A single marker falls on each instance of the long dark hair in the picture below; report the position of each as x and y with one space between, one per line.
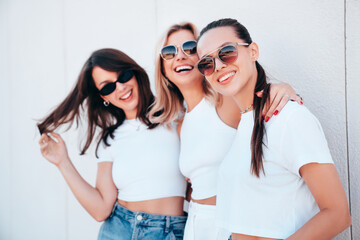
85 94
259 103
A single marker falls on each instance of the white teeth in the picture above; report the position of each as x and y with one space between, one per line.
183 68
126 96
226 76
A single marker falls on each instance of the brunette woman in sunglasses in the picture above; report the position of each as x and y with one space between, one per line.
278 180
139 190
207 124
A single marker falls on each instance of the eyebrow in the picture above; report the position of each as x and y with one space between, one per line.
224 44
105 81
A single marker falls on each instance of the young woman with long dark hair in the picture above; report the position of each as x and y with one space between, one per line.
208 122
278 180
139 190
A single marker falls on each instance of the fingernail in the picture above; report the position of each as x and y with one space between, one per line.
276 112
263 116
301 103
267 119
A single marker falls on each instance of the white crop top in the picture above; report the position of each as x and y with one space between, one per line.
145 162
278 204
205 140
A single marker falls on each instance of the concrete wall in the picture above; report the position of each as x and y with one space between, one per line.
313 45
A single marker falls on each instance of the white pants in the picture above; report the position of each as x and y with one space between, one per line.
200 224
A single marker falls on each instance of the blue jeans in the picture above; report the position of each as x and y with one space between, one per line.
124 224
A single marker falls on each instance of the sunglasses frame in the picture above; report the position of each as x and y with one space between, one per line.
235 44
119 79
176 49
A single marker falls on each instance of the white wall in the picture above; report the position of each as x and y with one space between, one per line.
353 112
313 45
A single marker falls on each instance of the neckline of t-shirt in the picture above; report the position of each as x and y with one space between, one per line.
134 123
245 116
196 107
132 120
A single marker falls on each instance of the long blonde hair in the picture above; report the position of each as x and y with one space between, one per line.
169 102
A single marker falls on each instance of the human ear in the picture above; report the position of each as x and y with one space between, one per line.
254 49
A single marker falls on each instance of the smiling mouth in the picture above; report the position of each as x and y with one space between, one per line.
226 76
126 96
184 68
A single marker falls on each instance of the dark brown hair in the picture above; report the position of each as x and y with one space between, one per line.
259 103
85 94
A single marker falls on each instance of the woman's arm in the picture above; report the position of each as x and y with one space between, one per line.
98 201
280 94
334 216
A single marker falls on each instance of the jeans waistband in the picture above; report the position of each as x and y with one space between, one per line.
128 213
148 219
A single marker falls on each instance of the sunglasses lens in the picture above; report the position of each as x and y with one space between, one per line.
168 52
108 88
228 54
189 47
206 66
126 76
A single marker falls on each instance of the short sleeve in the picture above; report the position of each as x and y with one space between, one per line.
303 141
104 153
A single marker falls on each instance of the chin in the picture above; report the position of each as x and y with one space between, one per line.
229 92
226 91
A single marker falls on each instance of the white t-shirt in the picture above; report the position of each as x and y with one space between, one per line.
205 140
145 162
279 203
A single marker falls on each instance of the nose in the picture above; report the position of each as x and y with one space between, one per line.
180 54
120 86
219 64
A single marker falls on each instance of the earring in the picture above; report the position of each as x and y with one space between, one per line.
106 103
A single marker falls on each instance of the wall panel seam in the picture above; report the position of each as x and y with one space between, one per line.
11 175
346 114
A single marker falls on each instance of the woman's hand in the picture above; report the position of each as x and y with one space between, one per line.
54 151
98 201
280 94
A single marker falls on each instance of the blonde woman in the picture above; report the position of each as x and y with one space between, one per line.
207 122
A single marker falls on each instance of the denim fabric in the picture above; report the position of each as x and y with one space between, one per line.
124 224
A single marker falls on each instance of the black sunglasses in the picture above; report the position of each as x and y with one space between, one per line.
170 51
110 87
226 54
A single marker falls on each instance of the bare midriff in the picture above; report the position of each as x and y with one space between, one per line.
206 201
171 206
237 236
